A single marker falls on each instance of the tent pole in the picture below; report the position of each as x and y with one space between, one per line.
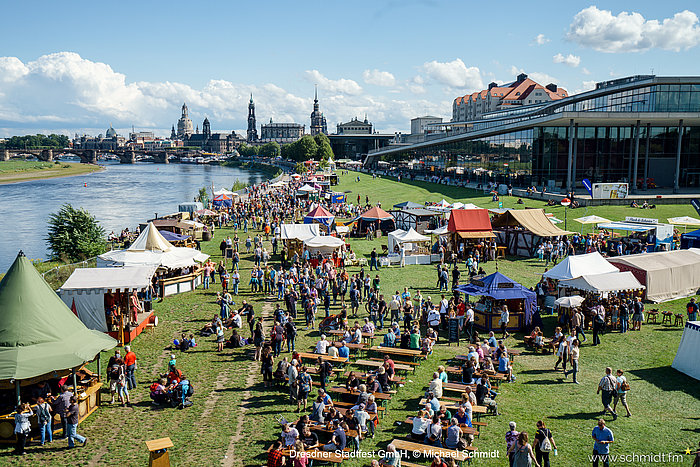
99 366
19 399
75 382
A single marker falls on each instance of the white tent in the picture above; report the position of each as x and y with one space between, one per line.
470 206
323 244
150 248
580 265
607 282
299 232
226 192
86 288
439 231
308 189
393 239
684 220
278 184
687 360
413 237
592 220
402 237
342 229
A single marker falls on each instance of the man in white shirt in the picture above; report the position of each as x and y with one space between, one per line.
236 320
322 345
469 319
436 386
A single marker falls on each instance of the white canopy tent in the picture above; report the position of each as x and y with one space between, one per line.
299 232
580 265
308 189
439 231
323 244
402 237
150 248
393 239
687 360
592 219
86 288
607 282
226 192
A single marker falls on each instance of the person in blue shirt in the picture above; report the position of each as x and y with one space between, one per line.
603 437
389 339
343 351
504 367
492 340
434 402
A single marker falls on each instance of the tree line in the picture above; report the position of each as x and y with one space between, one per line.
308 147
52 141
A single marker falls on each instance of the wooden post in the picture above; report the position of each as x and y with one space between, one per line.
99 366
19 398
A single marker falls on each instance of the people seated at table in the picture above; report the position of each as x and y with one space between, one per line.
352 382
433 435
309 439
343 351
275 458
338 439
435 386
289 435
322 345
332 350
483 396
420 426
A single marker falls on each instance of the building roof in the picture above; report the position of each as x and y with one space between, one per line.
469 220
533 220
376 213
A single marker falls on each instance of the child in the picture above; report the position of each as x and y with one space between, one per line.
539 341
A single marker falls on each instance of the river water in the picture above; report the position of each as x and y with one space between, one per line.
120 196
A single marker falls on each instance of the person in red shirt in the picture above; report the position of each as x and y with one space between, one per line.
389 361
274 455
130 362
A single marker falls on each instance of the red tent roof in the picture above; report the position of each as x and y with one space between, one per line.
221 197
320 212
377 213
467 220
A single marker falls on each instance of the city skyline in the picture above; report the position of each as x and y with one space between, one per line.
388 60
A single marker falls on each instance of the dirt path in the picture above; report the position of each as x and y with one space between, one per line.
229 459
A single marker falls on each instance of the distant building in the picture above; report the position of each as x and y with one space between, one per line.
213 142
419 124
354 127
281 132
520 93
184 125
110 142
318 121
252 132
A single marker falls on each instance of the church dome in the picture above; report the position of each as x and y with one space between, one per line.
111 132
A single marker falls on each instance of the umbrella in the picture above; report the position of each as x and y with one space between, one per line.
685 221
569 302
592 220
206 212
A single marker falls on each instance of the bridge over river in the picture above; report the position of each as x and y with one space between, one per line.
89 156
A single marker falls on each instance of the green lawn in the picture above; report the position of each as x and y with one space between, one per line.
664 402
14 171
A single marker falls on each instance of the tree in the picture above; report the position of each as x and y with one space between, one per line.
271 149
247 151
324 152
307 148
74 234
300 168
203 196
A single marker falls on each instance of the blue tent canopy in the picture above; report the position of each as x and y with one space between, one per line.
173 237
500 287
690 240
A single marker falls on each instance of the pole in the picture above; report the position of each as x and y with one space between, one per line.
646 157
99 366
677 175
564 217
636 159
573 162
75 383
19 398
571 155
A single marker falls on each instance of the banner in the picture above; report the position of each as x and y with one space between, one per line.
610 190
588 186
696 204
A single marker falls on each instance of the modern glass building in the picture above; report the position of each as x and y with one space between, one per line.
643 128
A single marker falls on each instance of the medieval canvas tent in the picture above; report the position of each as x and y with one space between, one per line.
320 215
470 223
299 232
38 332
522 230
667 275
324 245
85 290
575 266
222 201
610 282
687 360
377 217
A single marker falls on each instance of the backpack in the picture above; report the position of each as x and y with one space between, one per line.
546 444
625 386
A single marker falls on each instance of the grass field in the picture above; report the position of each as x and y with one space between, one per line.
14 171
233 419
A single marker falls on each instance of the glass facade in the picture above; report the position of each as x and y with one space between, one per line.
538 155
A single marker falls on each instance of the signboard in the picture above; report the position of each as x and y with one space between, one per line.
610 190
641 220
453 330
505 285
588 186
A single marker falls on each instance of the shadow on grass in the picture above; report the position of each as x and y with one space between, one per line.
668 329
578 416
545 381
534 372
668 379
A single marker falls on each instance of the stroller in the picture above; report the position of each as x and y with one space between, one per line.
331 323
179 397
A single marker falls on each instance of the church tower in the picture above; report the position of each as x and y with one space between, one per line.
252 133
173 135
318 121
184 125
206 129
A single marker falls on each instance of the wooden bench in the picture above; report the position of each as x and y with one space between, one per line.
431 451
400 362
666 317
348 405
477 410
679 319
414 353
375 364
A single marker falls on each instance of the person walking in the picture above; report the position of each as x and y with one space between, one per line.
607 386
692 309
22 427
72 416
61 402
522 452
544 444
505 317
511 440
624 313
130 362
577 320
603 438
598 322
573 358
44 420
622 388
638 316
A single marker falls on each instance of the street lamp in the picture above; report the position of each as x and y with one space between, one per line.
565 202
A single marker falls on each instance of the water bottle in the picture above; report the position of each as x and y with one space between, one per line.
555 451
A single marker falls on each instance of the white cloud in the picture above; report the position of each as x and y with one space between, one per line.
585 86
585 71
569 60
454 74
378 78
344 86
540 39
631 32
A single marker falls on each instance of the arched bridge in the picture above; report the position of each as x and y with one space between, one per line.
89 156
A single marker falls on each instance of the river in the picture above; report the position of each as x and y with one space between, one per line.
120 196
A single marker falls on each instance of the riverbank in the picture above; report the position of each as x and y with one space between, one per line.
269 170
24 171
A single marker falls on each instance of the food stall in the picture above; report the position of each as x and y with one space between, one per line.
321 216
522 230
378 218
468 228
643 234
41 340
496 290
294 235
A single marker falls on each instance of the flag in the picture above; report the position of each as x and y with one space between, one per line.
696 204
588 186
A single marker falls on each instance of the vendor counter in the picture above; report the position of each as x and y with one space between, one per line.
180 284
409 259
88 401
485 320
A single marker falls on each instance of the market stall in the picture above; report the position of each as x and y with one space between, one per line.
41 340
667 275
222 201
419 219
522 230
376 217
690 240
496 290
575 266
468 228
324 248
409 247
102 299
321 216
642 234
409 205
294 235
604 283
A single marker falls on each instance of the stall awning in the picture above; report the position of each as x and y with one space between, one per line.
626 226
120 278
480 234
575 266
299 231
609 282
469 220
533 220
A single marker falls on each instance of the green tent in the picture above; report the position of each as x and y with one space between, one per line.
39 334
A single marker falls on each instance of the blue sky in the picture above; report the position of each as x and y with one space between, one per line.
83 65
